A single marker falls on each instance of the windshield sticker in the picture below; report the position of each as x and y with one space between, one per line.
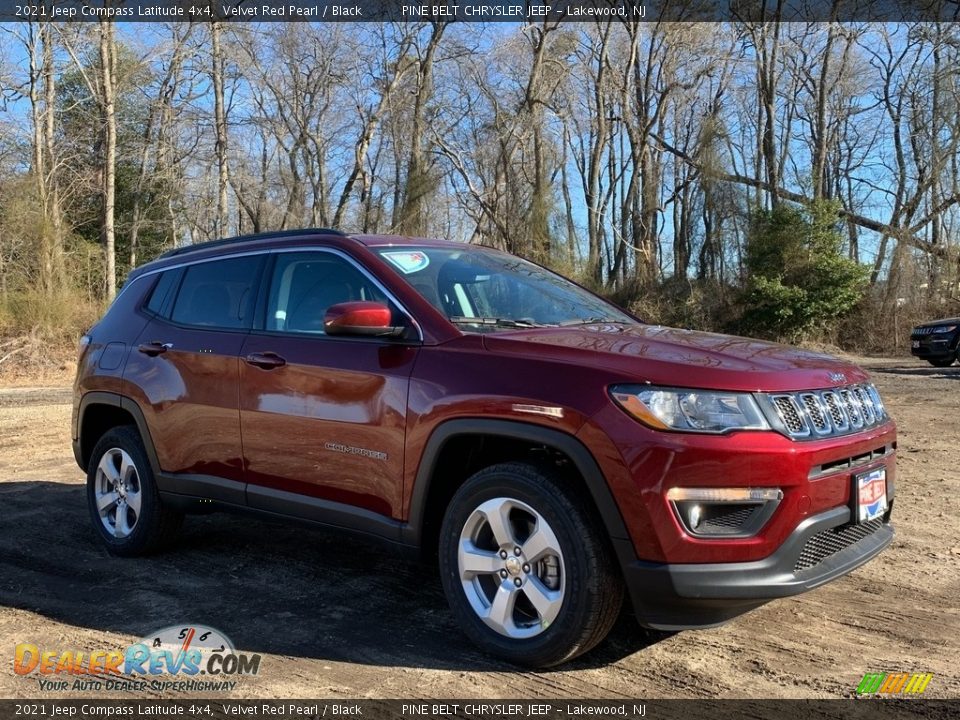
408 262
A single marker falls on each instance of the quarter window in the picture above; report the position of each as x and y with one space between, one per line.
161 291
218 293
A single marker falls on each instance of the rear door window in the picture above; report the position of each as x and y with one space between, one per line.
218 293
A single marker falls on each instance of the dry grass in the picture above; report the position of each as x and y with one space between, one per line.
32 361
39 334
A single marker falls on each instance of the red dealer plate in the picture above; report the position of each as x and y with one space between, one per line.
871 487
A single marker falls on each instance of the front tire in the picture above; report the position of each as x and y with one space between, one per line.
125 507
941 362
526 566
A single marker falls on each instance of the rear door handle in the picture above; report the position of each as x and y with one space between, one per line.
265 360
154 348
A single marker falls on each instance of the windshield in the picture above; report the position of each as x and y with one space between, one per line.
481 290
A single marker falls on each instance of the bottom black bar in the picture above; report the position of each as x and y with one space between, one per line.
207 709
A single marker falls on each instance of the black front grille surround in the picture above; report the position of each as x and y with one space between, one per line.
816 414
931 330
829 542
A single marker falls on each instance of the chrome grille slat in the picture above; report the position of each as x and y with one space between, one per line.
852 408
869 414
819 417
827 413
789 411
877 402
839 415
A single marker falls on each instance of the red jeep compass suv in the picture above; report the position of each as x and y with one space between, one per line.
552 450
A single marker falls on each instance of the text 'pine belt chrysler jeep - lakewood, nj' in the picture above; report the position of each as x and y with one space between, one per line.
551 450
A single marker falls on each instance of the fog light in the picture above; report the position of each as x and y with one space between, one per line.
724 512
694 516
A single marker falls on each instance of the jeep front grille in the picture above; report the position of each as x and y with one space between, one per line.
815 414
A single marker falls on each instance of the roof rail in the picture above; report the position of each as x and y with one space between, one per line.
248 238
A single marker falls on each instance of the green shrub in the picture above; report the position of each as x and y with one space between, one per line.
798 280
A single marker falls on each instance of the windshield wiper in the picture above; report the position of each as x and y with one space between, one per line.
496 322
591 321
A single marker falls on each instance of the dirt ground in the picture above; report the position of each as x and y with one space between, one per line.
334 617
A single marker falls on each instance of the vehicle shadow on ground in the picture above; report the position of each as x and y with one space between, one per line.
948 373
272 588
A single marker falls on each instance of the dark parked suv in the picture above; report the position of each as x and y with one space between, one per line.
937 341
553 451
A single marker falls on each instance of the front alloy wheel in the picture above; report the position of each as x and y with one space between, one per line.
511 568
526 566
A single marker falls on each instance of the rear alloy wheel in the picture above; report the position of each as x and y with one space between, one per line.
526 567
118 494
124 504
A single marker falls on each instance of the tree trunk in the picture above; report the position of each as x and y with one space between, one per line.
39 166
220 126
52 209
109 120
159 117
419 186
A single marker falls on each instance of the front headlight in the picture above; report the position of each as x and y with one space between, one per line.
702 411
944 329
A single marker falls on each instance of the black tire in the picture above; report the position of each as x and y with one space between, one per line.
941 362
156 525
592 593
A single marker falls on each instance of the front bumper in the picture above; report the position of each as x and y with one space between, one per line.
679 596
933 347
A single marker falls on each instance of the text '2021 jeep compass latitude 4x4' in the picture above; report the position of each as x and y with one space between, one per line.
551 449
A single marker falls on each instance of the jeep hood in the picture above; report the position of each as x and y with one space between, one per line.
944 321
683 358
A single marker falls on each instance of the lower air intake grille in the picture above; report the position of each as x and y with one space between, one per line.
727 522
829 542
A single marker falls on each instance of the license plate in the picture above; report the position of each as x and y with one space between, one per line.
871 487
916 343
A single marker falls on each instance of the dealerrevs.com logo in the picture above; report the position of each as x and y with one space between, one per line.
184 658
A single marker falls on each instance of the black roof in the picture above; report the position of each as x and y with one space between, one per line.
248 238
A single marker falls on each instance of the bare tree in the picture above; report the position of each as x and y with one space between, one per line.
156 131
109 119
217 73
389 65
418 183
